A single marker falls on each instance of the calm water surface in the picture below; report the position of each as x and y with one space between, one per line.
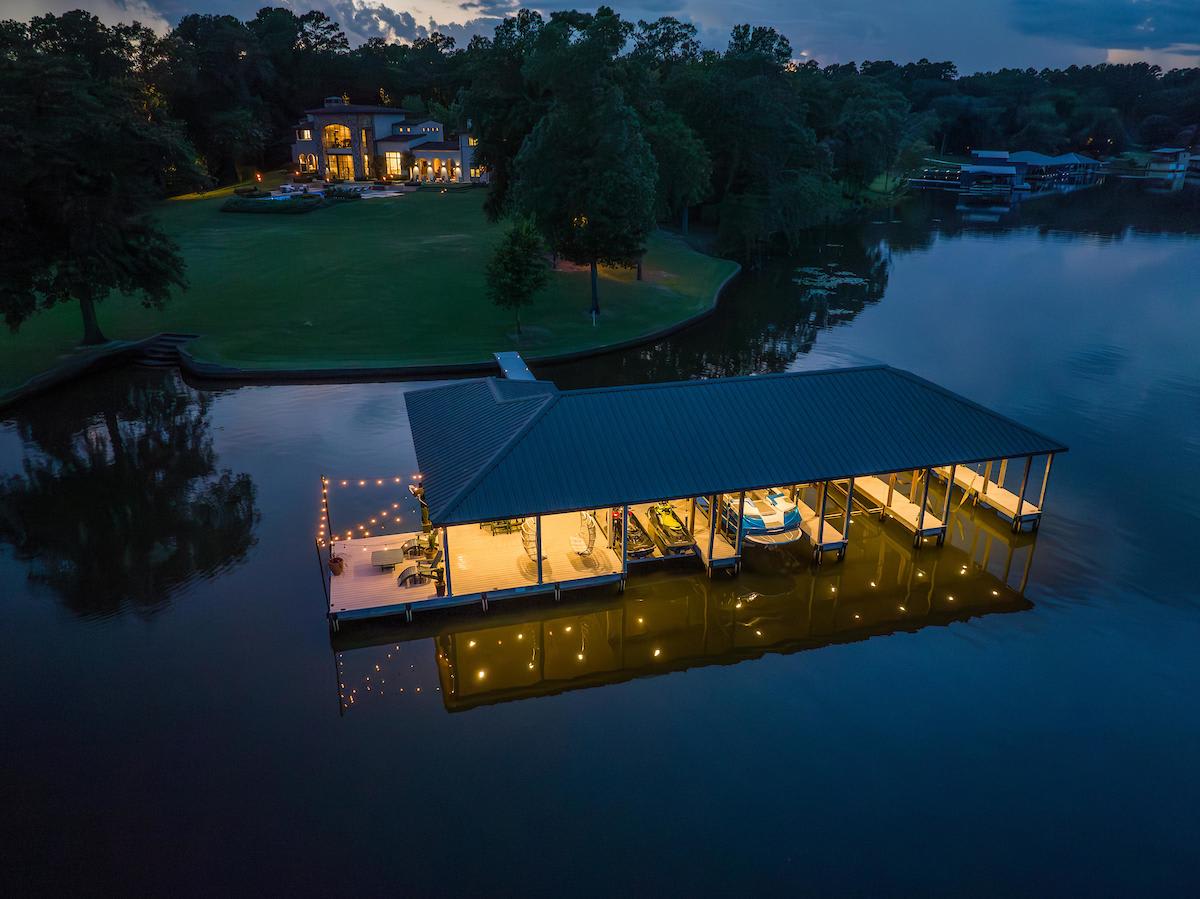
998 716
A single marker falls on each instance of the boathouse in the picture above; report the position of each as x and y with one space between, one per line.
528 488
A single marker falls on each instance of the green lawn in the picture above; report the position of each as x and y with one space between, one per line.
374 282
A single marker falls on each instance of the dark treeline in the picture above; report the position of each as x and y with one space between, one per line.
764 145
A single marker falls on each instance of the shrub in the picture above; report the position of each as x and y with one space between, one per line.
296 205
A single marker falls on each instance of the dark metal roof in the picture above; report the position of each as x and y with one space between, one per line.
491 449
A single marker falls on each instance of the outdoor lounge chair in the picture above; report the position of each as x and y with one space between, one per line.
529 539
585 541
410 576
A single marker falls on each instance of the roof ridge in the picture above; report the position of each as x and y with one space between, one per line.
691 382
547 400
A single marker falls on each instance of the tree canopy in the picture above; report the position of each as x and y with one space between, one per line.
746 132
90 148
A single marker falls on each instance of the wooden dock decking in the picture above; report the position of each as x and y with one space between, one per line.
363 585
991 494
821 538
897 506
482 562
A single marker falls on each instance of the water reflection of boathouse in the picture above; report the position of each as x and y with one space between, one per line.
534 490
667 623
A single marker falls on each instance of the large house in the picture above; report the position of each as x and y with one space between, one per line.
346 141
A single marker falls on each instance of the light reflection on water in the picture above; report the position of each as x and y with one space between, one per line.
168 659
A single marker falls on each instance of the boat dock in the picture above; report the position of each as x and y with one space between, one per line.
528 489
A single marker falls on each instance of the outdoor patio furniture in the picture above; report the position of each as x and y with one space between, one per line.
585 541
529 539
388 558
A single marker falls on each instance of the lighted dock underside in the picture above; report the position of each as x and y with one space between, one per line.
990 493
901 508
365 586
482 562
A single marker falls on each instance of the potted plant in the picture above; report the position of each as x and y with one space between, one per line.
336 565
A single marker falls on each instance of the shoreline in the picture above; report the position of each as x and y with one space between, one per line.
117 352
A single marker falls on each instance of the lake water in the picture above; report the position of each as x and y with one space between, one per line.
1001 715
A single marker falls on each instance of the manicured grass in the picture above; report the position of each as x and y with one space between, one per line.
375 282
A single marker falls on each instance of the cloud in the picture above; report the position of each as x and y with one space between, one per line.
1115 24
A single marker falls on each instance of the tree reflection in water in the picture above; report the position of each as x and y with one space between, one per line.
120 501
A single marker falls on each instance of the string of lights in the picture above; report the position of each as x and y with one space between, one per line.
387 518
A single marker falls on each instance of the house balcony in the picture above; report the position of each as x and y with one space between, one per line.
338 144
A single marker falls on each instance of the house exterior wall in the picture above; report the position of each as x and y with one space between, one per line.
372 135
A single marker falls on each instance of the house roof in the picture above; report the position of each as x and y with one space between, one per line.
358 108
490 448
990 169
439 145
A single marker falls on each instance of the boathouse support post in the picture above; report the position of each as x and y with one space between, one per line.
1042 493
713 512
987 479
625 543
946 505
537 528
692 516
1021 493
849 514
927 474
1002 473
823 489
737 540
446 560
891 491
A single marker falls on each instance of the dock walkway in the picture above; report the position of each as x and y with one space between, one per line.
986 491
891 503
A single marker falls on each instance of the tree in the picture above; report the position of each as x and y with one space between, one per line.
684 167
87 158
587 178
517 269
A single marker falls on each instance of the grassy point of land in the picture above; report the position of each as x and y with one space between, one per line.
375 282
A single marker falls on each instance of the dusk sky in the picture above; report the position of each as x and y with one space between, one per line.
975 34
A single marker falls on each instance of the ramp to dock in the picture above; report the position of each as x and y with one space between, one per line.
513 367
897 506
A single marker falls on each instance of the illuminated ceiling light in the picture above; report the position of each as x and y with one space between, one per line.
902 609
470 643
480 674
657 653
995 593
579 655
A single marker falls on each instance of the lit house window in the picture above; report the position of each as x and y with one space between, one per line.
303 134
472 142
308 162
393 163
364 137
